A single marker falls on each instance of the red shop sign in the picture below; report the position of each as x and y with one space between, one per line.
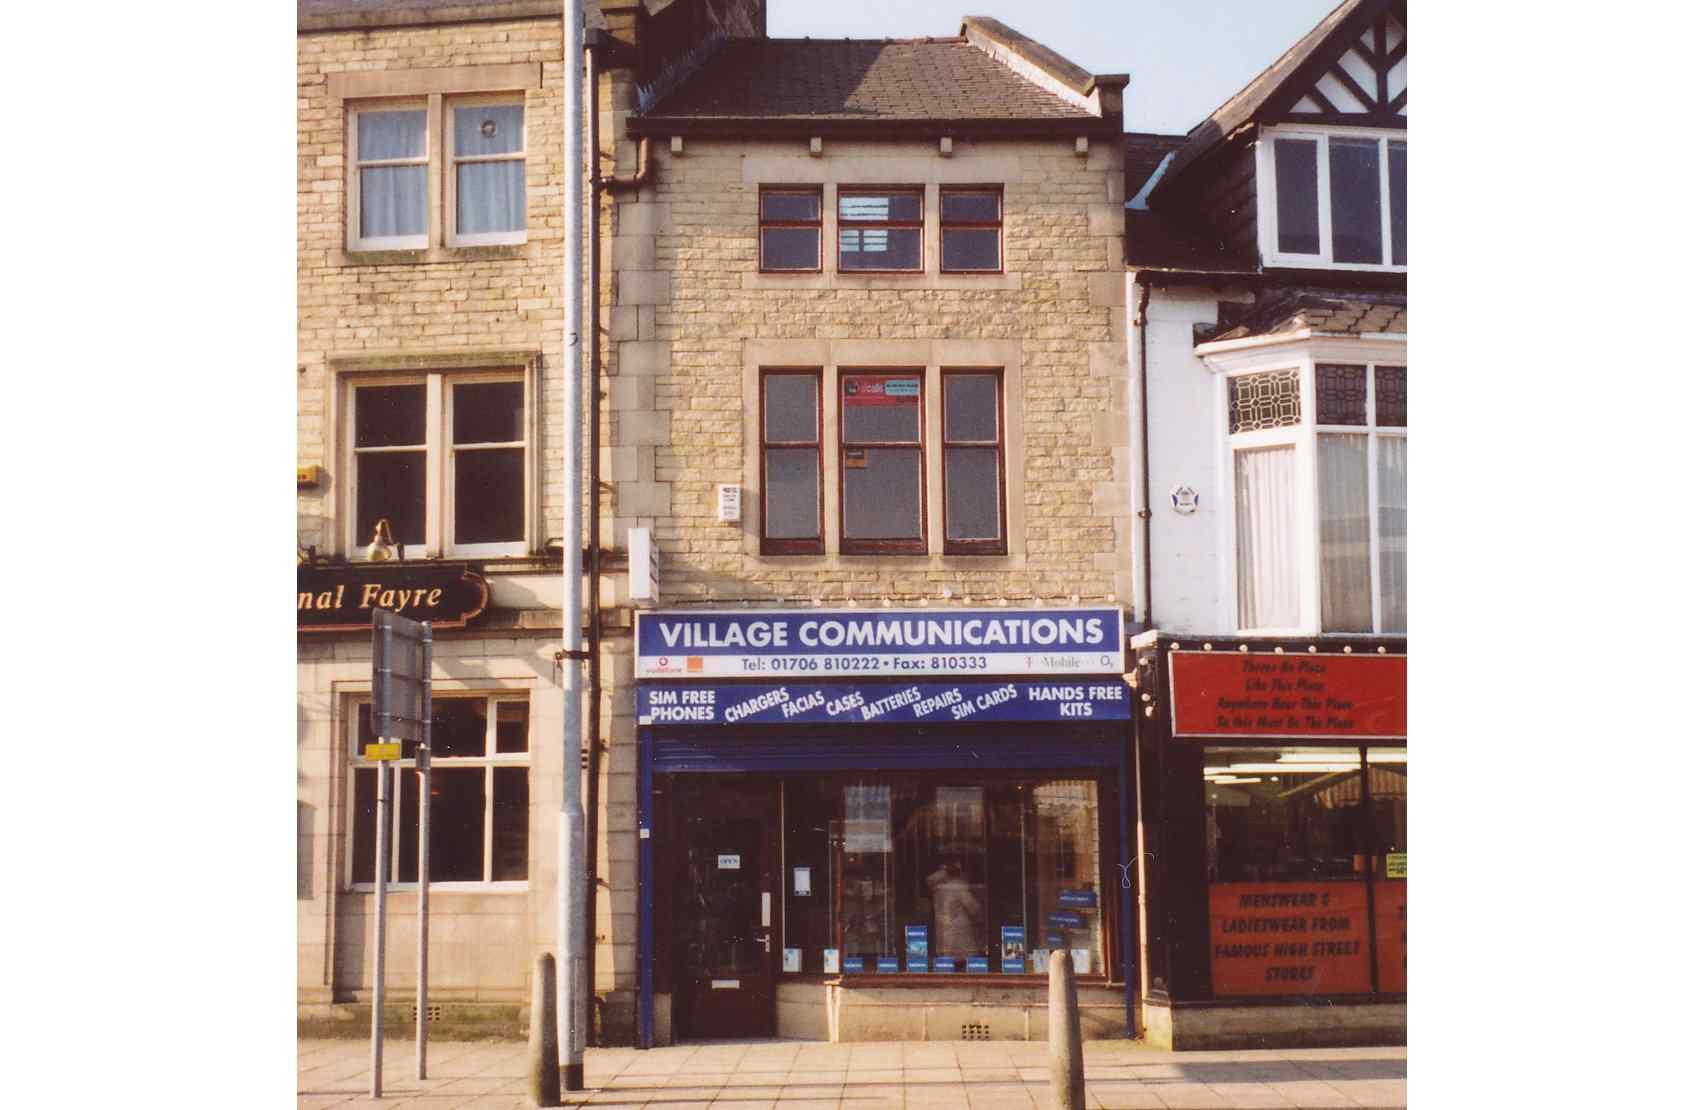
1256 695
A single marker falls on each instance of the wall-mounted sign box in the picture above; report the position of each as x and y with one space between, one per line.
342 598
805 702
1260 695
822 643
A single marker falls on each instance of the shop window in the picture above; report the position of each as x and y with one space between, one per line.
789 230
970 230
1306 870
881 462
792 462
478 163
1346 539
443 460
480 793
881 229
1335 200
972 462
953 875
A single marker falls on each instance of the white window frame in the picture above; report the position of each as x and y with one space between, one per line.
454 237
1266 192
1238 358
353 184
490 761
440 475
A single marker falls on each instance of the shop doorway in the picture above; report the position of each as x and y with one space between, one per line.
727 907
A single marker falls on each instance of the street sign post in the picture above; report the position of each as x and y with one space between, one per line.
402 713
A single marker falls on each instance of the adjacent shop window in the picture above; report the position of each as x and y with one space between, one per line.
1337 200
1347 537
790 229
881 229
972 462
970 230
1306 851
881 462
442 459
476 160
480 791
944 874
792 461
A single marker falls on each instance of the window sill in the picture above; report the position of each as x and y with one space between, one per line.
427 255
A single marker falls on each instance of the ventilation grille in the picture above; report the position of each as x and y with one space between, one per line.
975 1031
433 1013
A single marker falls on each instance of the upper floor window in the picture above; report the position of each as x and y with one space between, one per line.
1334 200
790 229
881 462
442 458
881 229
471 151
791 437
970 230
1319 459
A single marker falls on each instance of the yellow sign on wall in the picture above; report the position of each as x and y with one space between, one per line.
384 751
1396 865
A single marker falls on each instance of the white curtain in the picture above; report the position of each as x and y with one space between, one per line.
393 198
1393 533
490 196
1345 532
1268 589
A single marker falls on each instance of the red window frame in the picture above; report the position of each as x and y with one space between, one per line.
788 546
920 545
764 224
997 225
996 545
898 225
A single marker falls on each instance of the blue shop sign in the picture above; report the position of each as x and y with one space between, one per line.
820 703
824 643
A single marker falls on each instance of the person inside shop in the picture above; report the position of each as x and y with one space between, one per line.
956 911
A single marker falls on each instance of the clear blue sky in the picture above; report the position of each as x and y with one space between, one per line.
1184 57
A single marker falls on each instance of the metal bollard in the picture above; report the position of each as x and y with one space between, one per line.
1064 1033
544 1075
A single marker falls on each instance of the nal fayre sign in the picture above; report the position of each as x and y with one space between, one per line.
821 643
1259 695
342 598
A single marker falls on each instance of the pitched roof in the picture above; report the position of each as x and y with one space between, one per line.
853 84
1319 312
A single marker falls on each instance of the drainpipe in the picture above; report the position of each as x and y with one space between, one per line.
1145 513
594 530
640 176
571 820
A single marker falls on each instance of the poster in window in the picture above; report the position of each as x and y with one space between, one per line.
879 389
887 965
854 964
1289 938
1012 949
976 965
1390 920
917 948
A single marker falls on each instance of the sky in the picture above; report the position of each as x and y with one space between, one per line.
1184 57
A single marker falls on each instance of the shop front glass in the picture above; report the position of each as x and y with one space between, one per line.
1306 869
942 874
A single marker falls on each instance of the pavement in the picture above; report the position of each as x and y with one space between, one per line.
808 1075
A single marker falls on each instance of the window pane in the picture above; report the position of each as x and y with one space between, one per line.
393 201
1390 387
1399 204
1067 866
880 248
390 416
810 807
380 135
896 207
973 407
866 900
1268 583
880 408
1266 821
509 824
511 726
970 207
1340 393
973 493
391 486
970 249
405 795
791 248
1345 559
790 490
491 196
1388 775
458 823
362 841
489 129
790 206
1357 230
458 727
790 408
489 412
1297 168
1393 534
1271 399
883 496
941 862
490 496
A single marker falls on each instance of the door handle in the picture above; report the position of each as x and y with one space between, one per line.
765 939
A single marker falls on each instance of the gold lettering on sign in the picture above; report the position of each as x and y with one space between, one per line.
432 600
367 593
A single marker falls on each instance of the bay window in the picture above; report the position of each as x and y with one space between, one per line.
1334 199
